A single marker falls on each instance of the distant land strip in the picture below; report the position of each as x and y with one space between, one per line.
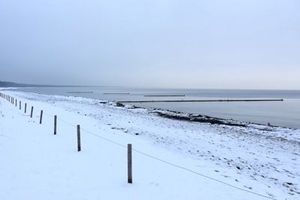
164 95
201 101
84 92
116 93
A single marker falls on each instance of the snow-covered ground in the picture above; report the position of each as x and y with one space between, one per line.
172 159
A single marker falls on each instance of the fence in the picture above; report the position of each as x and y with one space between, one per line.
129 148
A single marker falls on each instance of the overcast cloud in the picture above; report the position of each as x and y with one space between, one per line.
152 43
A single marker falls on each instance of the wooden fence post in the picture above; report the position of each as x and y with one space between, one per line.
25 108
129 163
31 113
41 117
78 139
55 124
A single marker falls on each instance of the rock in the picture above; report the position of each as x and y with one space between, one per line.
118 104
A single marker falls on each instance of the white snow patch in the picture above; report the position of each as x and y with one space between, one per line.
38 165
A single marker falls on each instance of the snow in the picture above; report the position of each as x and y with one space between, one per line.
172 159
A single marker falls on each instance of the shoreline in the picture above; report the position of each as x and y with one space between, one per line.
282 114
184 116
175 115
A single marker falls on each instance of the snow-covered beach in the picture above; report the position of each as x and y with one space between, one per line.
173 159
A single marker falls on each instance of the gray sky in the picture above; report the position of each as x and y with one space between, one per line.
152 43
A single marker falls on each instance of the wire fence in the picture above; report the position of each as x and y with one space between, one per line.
14 100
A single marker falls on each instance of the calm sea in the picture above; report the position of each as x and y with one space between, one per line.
286 113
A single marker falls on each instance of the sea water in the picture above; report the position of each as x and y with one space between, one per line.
286 113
